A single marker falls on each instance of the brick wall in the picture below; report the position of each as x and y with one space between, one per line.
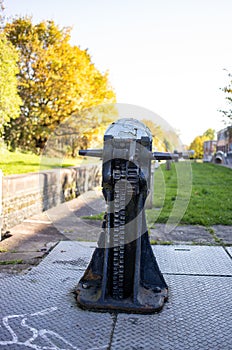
29 194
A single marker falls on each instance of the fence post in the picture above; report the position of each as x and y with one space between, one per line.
1 219
168 164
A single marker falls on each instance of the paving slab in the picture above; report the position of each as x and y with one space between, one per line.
67 217
193 260
38 310
21 256
67 255
224 233
180 234
197 316
30 237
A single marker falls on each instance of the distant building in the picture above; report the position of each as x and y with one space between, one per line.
209 150
224 140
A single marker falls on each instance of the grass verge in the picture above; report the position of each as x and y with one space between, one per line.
209 204
210 201
21 163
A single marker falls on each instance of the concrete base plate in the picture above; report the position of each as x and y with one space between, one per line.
38 310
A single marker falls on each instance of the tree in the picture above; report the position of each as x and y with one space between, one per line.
9 98
73 134
197 144
55 81
209 134
228 91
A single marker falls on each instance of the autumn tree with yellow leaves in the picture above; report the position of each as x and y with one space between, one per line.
197 144
9 99
56 81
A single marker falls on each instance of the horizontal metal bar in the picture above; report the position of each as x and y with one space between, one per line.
91 152
164 155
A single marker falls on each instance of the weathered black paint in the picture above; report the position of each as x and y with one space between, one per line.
124 277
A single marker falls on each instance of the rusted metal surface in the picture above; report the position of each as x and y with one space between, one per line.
123 274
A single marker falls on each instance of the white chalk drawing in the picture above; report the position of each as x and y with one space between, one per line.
41 334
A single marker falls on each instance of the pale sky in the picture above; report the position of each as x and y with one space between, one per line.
167 56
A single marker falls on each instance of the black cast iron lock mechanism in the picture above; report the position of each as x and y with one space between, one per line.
123 274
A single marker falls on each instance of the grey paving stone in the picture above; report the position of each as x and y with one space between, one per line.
20 256
183 233
67 255
80 229
38 310
197 316
224 233
195 260
67 217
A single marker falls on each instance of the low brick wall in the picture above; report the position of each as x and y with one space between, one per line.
29 194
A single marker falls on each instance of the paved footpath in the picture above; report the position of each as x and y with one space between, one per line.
38 309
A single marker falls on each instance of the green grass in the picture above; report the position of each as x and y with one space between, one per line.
190 193
210 202
155 242
20 163
11 262
99 216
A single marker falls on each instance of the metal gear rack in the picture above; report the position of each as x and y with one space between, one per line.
123 274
